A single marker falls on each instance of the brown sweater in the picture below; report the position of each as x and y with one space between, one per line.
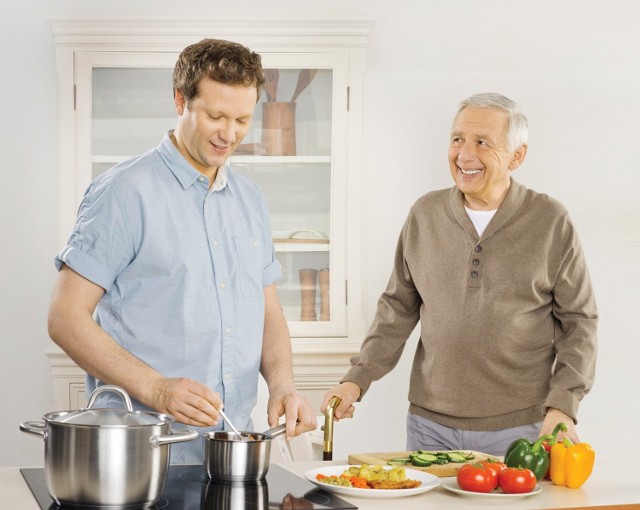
507 321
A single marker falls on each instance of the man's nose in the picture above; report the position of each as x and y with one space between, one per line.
467 152
228 132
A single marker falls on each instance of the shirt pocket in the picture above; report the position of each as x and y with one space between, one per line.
249 252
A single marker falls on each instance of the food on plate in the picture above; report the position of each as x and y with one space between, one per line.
495 464
533 456
486 476
394 484
517 480
371 477
477 477
425 458
571 464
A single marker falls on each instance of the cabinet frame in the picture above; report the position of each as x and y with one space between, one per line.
320 357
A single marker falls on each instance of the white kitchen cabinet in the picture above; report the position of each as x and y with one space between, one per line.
115 101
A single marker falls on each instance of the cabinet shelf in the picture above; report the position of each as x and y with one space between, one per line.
281 246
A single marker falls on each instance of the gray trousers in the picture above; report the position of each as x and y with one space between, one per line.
423 434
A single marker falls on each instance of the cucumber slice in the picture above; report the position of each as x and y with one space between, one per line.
456 457
400 461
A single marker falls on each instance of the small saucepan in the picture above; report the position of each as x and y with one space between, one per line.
238 457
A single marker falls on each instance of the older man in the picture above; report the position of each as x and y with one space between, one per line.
496 276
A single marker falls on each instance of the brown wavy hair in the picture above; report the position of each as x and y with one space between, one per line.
222 61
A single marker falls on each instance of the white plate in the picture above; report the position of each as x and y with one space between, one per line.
428 480
451 484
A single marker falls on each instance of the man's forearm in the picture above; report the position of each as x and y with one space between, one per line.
276 365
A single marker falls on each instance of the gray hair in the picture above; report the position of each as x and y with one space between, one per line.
518 126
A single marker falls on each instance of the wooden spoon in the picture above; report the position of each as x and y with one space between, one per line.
271 83
304 78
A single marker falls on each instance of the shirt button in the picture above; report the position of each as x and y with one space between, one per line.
255 243
215 242
478 248
201 178
474 274
223 285
475 262
227 329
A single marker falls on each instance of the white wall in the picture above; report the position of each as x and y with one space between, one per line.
574 65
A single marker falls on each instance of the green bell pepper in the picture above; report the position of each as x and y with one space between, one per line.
523 453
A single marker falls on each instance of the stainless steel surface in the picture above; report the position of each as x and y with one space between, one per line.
236 495
238 457
117 463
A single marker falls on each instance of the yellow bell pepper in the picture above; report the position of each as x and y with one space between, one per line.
571 464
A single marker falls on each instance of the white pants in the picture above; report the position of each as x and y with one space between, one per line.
423 434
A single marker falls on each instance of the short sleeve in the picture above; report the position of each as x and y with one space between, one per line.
100 246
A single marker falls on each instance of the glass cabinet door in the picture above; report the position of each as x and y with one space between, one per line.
295 151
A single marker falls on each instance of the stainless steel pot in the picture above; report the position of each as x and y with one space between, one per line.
232 457
106 457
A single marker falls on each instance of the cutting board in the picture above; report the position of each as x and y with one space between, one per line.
441 470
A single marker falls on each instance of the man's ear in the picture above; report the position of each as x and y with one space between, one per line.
518 157
179 101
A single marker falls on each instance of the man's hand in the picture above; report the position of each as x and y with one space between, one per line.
188 401
555 416
298 413
348 393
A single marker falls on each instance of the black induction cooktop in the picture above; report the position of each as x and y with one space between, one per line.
188 488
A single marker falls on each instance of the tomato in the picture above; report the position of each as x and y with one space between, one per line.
477 478
517 480
494 464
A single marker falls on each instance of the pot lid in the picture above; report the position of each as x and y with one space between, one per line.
109 417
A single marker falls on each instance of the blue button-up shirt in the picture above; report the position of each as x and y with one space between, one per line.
183 267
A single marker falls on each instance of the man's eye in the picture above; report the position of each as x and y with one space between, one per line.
456 140
482 142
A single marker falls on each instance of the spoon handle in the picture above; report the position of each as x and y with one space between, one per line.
221 412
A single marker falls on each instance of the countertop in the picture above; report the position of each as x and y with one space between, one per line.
614 484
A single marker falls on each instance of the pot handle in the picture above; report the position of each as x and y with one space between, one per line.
176 436
276 431
114 389
37 428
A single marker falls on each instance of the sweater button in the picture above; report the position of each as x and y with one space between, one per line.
478 248
475 262
474 274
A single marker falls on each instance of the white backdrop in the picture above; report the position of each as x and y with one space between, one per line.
574 65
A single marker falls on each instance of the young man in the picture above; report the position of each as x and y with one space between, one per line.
172 255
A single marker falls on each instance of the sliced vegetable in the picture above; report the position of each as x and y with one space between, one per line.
425 458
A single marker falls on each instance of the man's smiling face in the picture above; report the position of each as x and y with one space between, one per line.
479 157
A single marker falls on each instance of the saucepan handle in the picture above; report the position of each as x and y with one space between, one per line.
276 431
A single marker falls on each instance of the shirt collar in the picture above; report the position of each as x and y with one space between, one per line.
183 170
